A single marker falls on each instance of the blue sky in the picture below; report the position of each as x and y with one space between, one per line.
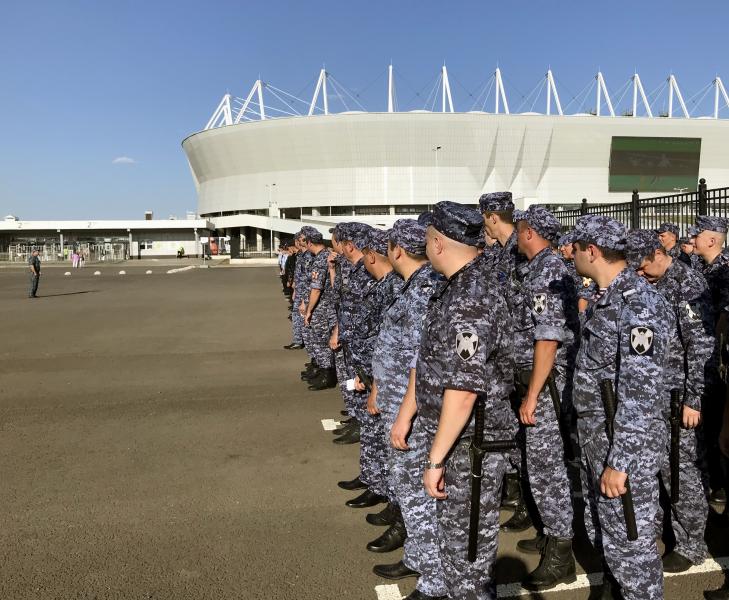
85 83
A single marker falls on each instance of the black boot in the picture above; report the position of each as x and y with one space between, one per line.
392 539
309 372
354 484
365 500
721 594
606 589
326 379
557 566
387 516
351 437
533 545
394 571
345 428
673 562
512 491
520 520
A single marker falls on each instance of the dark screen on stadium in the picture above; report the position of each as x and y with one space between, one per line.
654 164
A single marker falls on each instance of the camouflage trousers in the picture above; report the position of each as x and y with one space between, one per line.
636 565
318 335
466 580
422 552
547 472
340 364
689 514
372 449
297 324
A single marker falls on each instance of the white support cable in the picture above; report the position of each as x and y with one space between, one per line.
602 87
295 112
285 93
486 93
552 91
223 110
390 90
719 88
342 88
336 87
446 91
638 88
433 93
500 92
673 88
243 109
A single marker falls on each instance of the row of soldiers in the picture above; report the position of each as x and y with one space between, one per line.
479 355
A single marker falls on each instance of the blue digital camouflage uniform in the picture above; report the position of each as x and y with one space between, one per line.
466 345
366 324
320 322
626 339
342 267
397 347
686 291
545 308
297 321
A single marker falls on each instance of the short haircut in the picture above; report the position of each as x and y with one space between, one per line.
392 245
609 254
507 216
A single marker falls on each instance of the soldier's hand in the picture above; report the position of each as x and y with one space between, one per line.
399 433
612 483
372 404
434 483
358 385
526 411
334 341
307 319
691 417
302 309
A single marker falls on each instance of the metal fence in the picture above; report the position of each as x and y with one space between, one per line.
648 213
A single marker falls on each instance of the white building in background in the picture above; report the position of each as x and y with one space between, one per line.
270 162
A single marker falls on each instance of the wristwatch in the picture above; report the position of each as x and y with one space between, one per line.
432 465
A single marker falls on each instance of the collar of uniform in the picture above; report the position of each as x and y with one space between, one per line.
416 273
466 267
541 255
622 283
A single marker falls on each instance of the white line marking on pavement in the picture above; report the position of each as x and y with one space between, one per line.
180 269
510 590
388 592
329 424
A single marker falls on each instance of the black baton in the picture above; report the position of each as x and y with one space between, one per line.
610 405
476 451
675 442
554 394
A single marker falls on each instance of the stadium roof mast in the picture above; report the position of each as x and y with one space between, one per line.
719 88
223 111
638 87
321 86
257 88
500 93
446 90
390 90
602 89
673 88
552 89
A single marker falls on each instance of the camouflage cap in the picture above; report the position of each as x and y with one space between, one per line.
566 239
692 231
356 233
312 234
540 220
496 202
711 223
668 227
600 230
425 218
639 244
459 222
409 235
376 240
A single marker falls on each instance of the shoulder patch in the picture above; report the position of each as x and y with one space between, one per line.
539 303
466 344
693 312
641 341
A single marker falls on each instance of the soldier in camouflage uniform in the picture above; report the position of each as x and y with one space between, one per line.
668 235
685 289
546 329
583 285
303 283
396 349
465 351
711 233
504 257
297 320
626 339
317 313
366 323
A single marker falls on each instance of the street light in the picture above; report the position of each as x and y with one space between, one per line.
437 175
270 187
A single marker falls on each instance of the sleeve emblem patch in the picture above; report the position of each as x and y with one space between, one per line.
641 341
540 303
466 344
693 315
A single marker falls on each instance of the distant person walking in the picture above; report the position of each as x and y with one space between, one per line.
74 259
35 268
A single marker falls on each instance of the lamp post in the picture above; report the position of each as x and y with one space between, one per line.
270 187
436 149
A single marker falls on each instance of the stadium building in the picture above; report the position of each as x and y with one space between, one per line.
269 162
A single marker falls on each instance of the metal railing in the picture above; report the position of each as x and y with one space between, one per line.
648 213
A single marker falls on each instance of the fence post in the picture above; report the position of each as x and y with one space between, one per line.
635 210
703 203
583 207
